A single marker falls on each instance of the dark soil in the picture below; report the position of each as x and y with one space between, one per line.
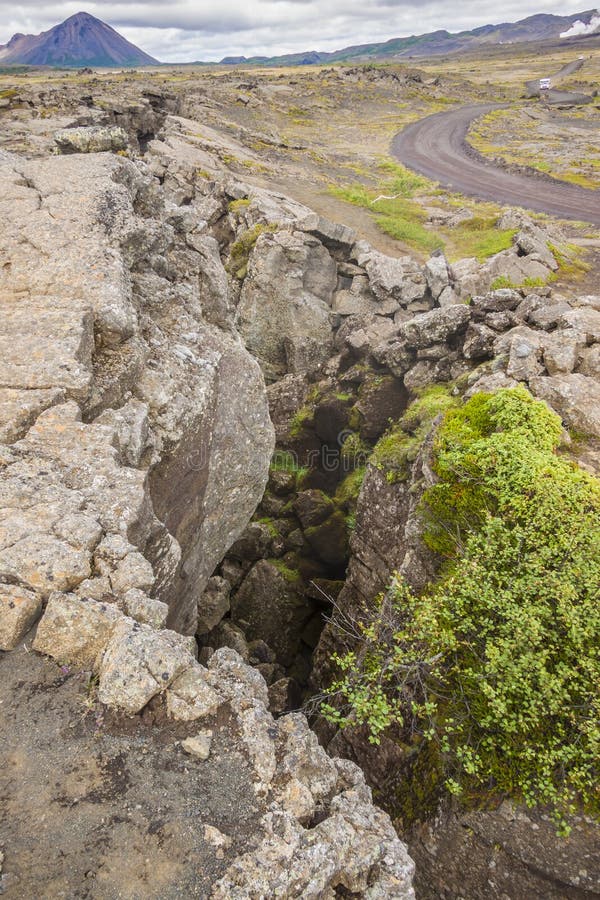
102 807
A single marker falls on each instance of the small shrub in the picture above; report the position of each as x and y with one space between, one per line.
498 662
238 206
502 281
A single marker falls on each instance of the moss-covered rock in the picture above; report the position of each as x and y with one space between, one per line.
329 540
272 605
312 507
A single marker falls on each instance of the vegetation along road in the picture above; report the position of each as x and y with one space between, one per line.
437 147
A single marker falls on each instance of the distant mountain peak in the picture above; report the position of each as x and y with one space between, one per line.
81 40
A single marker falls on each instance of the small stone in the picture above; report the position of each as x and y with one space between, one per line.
198 745
221 842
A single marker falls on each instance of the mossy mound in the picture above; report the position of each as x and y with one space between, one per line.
498 662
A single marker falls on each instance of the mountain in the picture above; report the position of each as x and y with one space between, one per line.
541 27
81 40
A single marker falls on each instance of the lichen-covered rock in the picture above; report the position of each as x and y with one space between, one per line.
303 759
84 213
138 663
479 342
257 728
44 563
332 234
496 301
76 630
91 139
190 696
349 850
232 678
437 275
137 605
434 327
389 277
576 398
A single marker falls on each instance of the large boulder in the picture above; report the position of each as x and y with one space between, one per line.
434 327
139 663
271 602
284 313
91 139
398 278
576 399
437 275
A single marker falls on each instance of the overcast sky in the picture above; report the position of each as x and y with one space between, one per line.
186 30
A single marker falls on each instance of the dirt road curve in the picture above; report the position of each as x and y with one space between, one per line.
437 148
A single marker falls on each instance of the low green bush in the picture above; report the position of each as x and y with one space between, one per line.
498 661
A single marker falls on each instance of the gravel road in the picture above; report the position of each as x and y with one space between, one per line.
437 148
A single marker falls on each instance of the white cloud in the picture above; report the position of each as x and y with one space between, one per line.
187 30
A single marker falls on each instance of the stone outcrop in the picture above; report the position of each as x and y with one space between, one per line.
136 442
143 305
91 139
176 413
284 311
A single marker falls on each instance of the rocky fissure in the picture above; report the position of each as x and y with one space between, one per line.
199 385
137 444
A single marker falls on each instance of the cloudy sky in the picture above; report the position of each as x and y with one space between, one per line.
186 30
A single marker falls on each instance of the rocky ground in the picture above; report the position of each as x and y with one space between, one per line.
561 143
198 372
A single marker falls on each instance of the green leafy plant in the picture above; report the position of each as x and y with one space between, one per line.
498 661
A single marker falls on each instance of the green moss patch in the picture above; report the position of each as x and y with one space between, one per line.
242 248
399 447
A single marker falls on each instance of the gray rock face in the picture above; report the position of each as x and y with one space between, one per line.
576 398
435 327
198 424
138 663
401 279
287 296
330 233
213 604
273 607
437 275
